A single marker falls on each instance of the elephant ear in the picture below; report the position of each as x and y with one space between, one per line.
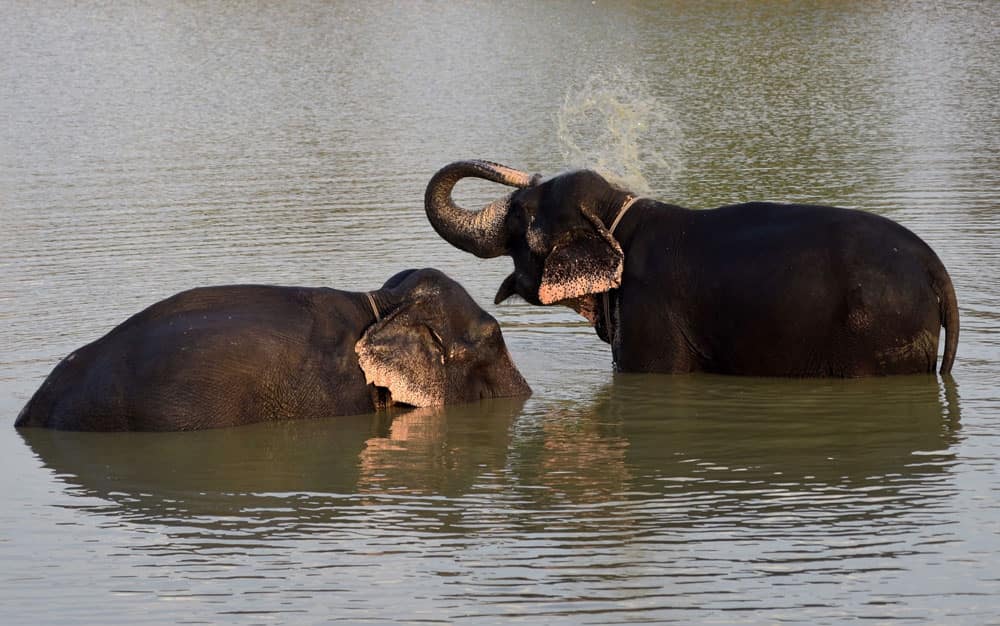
582 263
402 354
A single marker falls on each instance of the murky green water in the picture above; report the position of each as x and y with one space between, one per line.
145 149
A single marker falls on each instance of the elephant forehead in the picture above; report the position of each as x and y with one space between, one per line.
453 305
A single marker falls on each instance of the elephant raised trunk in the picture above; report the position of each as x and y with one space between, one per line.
482 232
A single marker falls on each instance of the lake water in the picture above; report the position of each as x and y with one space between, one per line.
146 148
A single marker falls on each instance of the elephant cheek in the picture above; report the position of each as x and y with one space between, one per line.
481 372
503 379
507 381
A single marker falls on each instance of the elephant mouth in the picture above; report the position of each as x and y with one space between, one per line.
381 398
586 305
597 310
517 285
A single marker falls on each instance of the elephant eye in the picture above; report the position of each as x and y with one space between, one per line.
530 209
526 210
436 337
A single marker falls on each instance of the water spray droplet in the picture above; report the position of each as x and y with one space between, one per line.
613 124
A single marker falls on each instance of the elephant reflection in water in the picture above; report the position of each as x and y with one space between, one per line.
183 478
734 438
427 451
441 451
413 446
581 458
752 434
703 446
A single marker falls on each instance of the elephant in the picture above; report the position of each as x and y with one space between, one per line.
237 354
760 289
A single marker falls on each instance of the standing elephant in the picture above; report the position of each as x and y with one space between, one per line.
756 289
231 355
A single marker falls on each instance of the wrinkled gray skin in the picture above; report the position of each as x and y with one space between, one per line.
760 288
231 355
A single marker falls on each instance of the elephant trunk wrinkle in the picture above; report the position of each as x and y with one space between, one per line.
479 232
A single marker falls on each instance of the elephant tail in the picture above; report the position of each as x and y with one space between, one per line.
949 316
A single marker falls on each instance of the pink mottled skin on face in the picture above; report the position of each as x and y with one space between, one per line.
582 266
556 292
579 277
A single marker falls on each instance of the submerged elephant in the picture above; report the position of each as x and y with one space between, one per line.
757 289
231 355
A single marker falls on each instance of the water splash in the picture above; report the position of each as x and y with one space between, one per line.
614 124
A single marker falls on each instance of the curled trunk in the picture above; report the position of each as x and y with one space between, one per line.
481 232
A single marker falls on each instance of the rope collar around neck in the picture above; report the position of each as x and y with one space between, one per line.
609 327
371 301
629 201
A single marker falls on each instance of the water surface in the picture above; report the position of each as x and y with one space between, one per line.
146 149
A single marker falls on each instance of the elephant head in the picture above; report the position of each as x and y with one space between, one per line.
433 345
554 230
